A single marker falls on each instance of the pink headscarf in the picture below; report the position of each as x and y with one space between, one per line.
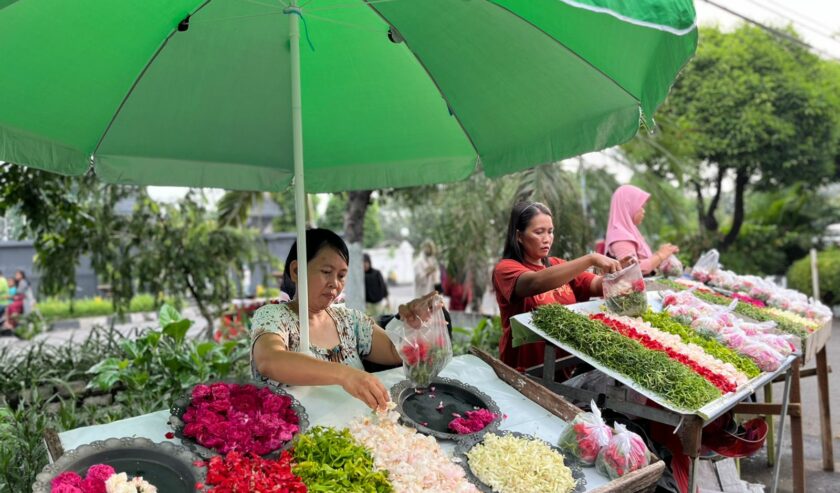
626 201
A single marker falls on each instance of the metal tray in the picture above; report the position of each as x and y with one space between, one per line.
179 407
171 468
419 409
471 441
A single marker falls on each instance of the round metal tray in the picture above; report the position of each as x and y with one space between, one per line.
471 441
418 409
169 467
179 407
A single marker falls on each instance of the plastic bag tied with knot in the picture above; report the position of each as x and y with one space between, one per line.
625 291
424 351
625 453
585 436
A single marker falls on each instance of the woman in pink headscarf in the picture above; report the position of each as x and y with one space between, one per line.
627 210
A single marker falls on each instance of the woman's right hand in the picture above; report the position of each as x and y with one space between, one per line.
365 387
667 250
603 263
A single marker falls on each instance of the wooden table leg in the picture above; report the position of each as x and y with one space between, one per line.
825 412
691 438
797 451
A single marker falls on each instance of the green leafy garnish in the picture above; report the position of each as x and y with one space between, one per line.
330 460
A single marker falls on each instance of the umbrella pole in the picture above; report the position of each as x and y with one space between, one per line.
300 192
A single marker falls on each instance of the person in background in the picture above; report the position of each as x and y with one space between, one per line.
460 293
426 269
627 211
376 290
4 294
527 277
339 337
22 302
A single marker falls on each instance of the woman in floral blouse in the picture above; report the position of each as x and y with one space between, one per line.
339 337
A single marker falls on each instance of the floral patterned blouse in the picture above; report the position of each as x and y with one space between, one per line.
355 333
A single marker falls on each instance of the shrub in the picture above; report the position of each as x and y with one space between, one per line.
828 263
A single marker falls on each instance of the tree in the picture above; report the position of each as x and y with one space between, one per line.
751 107
338 209
171 249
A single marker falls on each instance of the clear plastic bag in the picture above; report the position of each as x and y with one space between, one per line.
585 436
706 266
424 351
767 358
671 267
625 453
625 292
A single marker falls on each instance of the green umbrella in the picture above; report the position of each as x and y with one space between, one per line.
388 93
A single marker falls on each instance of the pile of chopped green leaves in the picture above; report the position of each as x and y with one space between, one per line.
753 312
713 347
653 370
327 459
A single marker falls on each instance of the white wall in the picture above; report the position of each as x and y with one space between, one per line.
394 262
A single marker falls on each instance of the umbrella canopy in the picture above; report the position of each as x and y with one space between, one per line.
507 83
389 93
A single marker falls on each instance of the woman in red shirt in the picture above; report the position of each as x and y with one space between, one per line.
527 277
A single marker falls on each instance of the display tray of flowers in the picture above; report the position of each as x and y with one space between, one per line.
678 375
624 291
221 417
448 409
123 465
510 462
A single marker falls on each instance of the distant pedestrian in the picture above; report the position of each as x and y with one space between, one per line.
376 290
426 270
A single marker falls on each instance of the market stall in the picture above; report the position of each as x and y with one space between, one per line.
545 417
692 385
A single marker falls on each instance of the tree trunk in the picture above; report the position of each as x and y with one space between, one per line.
701 204
742 179
354 217
710 221
208 317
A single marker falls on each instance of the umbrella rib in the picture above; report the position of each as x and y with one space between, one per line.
584 60
137 81
434 81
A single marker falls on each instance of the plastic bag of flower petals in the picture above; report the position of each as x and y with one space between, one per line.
671 267
780 342
733 337
767 358
624 291
706 266
424 351
586 435
625 453
709 326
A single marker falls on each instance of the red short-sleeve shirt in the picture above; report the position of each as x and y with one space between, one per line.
505 275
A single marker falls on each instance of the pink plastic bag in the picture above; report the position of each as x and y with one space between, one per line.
586 435
671 267
424 351
625 453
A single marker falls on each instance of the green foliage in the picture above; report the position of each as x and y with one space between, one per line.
333 219
484 336
327 459
163 363
828 265
748 106
45 386
54 309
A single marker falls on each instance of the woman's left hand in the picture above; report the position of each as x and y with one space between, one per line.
417 311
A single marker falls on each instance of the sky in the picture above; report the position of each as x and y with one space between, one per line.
815 20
